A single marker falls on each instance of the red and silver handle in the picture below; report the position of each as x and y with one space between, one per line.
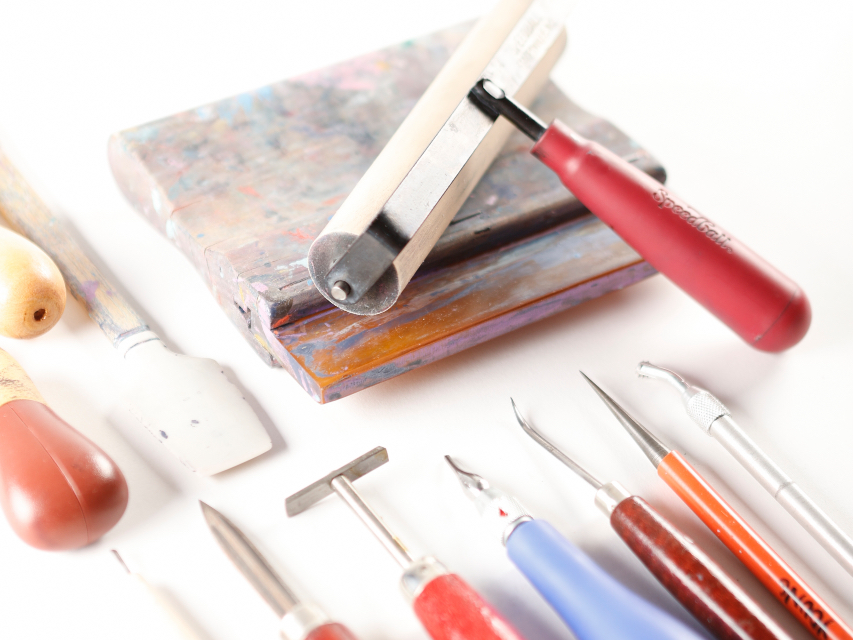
760 304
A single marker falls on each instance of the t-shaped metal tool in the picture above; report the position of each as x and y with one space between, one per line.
445 604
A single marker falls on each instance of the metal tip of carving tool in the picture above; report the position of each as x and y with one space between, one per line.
654 449
493 101
562 457
473 484
648 370
120 559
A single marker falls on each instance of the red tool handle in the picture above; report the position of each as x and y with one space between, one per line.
450 609
755 300
690 575
331 631
776 574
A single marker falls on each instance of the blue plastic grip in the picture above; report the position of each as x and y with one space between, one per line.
590 602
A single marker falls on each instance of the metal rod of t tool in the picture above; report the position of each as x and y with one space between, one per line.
588 599
696 581
715 420
444 603
299 621
733 531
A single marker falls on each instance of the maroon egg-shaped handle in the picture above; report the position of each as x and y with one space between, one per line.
57 488
760 304
695 580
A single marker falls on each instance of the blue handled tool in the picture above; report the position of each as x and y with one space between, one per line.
590 601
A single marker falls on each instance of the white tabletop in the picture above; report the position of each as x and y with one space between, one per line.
747 104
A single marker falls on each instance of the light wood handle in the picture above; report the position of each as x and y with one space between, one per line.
15 384
26 212
32 291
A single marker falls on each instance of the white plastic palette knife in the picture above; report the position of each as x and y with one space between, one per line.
187 403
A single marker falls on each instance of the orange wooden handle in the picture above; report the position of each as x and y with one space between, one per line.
789 588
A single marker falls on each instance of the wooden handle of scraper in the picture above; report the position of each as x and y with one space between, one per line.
21 206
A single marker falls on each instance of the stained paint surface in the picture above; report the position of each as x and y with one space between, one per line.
244 185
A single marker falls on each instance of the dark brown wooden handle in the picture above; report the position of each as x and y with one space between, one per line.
701 586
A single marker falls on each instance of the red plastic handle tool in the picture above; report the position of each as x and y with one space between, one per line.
450 609
776 574
760 304
331 631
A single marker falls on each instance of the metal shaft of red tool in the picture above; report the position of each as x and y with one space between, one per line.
447 606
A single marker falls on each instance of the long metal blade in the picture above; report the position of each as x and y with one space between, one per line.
249 561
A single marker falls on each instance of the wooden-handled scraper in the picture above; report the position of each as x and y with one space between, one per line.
186 403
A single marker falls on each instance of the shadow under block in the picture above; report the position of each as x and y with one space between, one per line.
244 185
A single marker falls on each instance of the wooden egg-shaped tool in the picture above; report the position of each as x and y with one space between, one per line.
57 489
32 291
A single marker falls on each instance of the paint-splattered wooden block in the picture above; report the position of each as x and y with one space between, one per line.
244 185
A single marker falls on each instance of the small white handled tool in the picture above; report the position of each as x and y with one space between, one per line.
710 414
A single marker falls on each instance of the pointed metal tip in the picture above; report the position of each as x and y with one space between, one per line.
648 370
471 482
654 449
562 457
120 559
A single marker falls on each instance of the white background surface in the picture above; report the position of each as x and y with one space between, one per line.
747 105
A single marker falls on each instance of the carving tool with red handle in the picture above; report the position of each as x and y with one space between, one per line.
299 621
781 580
445 604
695 580
760 304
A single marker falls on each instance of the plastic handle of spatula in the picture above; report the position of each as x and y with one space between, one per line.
695 580
331 631
590 601
450 609
760 304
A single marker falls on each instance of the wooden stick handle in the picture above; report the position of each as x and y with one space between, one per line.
776 574
26 212
15 384
692 577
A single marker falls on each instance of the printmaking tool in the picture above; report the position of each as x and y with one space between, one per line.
696 581
382 232
299 621
32 291
187 403
590 601
57 488
760 304
160 602
715 420
446 605
521 247
773 572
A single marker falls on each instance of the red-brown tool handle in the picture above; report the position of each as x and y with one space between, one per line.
331 631
701 586
761 305
789 588
57 489
450 609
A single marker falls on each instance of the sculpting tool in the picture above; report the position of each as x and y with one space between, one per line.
381 234
696 581
446 605
159 601
773 572
58 489
187 403
760 304
299 621
32 291
715 420
590 601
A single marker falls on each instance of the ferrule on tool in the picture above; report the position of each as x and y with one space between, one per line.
715 420
445 604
